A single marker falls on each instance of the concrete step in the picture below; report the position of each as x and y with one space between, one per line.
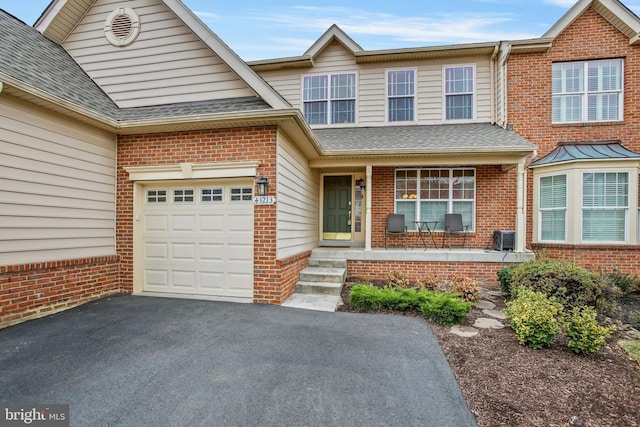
327 262
312 302
319 288
323 274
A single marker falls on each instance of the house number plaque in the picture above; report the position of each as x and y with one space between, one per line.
264 200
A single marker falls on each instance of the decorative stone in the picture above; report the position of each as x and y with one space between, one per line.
464 331
498 314
495 293
486 323
484 305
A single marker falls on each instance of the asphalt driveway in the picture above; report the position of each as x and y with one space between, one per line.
142 361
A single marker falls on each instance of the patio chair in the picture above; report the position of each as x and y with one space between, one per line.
453 227
395 226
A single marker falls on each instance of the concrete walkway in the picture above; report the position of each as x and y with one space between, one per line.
142 361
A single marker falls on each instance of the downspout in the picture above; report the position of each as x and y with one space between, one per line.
492 72
505 48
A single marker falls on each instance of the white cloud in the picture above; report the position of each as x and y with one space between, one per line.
561 3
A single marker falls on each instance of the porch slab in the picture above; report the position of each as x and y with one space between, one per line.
312 302
428 255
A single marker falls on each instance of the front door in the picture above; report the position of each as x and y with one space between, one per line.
337 208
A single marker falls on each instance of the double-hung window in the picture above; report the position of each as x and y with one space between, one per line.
329 98
458 93
587 91
428 194
605 206
401 88
553 208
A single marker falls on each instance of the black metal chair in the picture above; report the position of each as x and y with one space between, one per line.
453 226
395 226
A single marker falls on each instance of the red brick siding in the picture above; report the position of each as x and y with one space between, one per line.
596 258
495 205
370 270
272 278
529 111
35 290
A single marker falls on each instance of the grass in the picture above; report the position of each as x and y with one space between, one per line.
632 347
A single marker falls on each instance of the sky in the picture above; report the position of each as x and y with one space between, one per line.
282 28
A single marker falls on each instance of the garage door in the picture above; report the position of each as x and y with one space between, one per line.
198 240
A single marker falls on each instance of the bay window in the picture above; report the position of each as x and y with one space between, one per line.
553 208
605 206
428 194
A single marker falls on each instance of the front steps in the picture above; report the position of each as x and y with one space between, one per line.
320 284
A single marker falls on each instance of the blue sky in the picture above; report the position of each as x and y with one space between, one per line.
279 28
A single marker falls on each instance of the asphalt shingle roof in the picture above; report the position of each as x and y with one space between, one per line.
28 56
570 151
431 138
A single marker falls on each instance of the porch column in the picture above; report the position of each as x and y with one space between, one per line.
367 220
521 223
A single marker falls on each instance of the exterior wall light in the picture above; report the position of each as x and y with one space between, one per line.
360 183
263 186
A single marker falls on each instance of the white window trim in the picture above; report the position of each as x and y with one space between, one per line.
584 94
450 201
539 209
329 99
626 209
386 96
574 172
474 94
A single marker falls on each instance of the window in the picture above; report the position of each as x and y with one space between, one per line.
458 92
329 99
553 208
156 196
401 95
428 194
183 195
241 194
209 195
605 205
588 91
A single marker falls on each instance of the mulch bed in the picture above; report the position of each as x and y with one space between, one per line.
507 384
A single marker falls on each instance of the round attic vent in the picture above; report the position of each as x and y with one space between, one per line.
122 26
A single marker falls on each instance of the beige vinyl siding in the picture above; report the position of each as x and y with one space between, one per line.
297 201
57 187
166 64
371 84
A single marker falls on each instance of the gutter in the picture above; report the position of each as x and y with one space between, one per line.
492 73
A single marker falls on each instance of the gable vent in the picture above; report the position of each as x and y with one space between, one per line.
122 27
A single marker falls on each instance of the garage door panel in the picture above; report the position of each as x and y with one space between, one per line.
198 248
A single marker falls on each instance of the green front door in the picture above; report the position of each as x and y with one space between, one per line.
337 208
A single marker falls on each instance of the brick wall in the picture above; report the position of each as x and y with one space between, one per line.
272 278
529 111
484 273
596 257
495 205
35 290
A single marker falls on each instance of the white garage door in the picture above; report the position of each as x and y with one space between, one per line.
198 240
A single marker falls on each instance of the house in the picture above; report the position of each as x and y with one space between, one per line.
141 155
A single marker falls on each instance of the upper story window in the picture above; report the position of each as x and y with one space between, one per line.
587 91
458 92
329 98
401 87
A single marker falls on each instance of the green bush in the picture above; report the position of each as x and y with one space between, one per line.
445 309
584 333
624 281
505 278
567 283
534 318
365 297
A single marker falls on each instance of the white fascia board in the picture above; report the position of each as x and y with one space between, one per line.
193 171
49 15
567 18
225 53
333 32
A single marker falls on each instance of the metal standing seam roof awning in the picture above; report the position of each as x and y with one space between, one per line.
584 151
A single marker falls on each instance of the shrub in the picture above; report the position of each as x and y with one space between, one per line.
445 309
505 278
624 281
584 333
534 318
567 283
396 278
467 288
431 283
365 297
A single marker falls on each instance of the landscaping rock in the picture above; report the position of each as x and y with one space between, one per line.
484 305
464 331
498 314
486 323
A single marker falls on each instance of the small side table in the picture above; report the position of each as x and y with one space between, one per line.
429 227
